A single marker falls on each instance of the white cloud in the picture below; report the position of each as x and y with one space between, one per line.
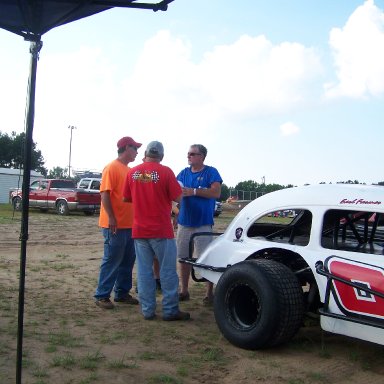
358 50
249 76
254 75
166 97
289 129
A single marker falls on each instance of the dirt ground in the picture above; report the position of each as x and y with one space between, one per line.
67 339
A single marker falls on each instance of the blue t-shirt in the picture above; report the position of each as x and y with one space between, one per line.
196 211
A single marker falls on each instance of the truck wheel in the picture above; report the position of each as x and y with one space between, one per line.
17 205
258 304
62 207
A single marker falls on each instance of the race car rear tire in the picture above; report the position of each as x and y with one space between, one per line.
258 304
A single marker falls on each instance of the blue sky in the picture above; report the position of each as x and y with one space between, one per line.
289 90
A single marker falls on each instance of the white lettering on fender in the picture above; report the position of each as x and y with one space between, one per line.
360 202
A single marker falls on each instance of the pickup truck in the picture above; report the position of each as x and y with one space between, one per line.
90 184
60 195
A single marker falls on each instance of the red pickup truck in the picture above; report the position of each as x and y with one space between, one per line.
58 194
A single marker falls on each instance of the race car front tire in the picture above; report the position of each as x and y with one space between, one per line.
258 304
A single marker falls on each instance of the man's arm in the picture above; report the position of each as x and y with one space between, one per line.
175 211
213 192
178 199
106 201
127 196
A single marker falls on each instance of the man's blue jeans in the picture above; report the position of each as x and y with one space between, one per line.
165 251
117 264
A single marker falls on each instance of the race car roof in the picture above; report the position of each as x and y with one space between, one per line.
349 196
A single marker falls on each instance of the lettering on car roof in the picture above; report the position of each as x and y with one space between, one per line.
360 201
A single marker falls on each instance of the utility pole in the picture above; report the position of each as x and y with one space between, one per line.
71 127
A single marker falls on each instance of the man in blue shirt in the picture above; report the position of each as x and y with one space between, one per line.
201 185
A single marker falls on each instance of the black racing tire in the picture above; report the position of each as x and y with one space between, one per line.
258 304
89 213
62 208
17 203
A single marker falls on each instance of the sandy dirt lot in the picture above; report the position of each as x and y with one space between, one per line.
67 339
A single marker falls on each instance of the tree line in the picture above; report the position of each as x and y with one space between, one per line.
12 153
12 156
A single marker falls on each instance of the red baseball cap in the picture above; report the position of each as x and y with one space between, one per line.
124 141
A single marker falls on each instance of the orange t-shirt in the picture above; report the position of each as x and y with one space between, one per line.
112 180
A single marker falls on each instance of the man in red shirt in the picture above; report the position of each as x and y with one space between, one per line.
151 187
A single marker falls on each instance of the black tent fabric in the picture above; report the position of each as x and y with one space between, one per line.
31 19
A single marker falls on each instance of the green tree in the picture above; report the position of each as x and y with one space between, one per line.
275 187
248 185
251 189
349 182
12 153
58 173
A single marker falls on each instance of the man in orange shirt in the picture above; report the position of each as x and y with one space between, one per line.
116 218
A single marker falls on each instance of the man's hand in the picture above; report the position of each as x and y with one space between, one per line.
112 225
174 221
187 192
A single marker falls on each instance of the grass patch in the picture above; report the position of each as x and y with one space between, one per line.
62 256
7 214
182 371
66 361
64 339
89 379
147 356
40 372
91 361
62 266
50 348
121 364
213 355
318 377
163 379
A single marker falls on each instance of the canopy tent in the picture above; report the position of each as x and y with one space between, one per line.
31 19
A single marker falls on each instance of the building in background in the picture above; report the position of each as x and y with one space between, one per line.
11 179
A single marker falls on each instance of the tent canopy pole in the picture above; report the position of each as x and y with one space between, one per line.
34 50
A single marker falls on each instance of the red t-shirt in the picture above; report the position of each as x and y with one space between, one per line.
151 187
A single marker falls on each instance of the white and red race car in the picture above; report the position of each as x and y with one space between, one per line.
306 249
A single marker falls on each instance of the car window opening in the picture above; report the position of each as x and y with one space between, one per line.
353 231
291 226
